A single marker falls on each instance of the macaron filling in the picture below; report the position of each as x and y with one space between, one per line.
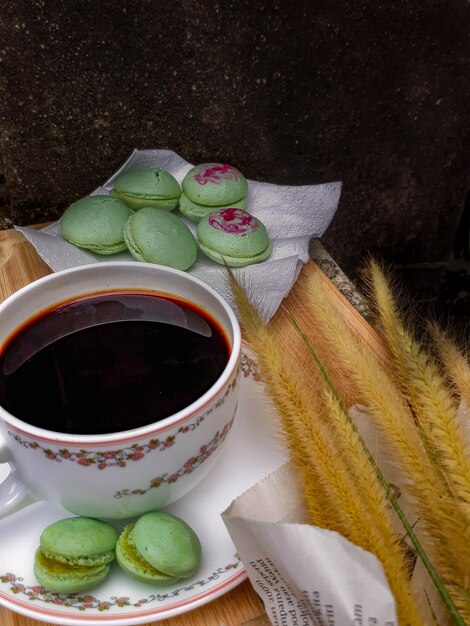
135 203
196 212
134 563
59 577
84 561
120 246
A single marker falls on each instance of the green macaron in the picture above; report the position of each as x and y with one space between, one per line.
74 554
134 564
196 212
159 548
61 578
233 237
147 187
96 223
160 237
212 186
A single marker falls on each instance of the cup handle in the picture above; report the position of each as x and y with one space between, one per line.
14 495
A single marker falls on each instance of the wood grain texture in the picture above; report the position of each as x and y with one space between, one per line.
20 264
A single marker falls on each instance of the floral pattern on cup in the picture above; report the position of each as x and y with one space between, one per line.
119 458
249 367
204 453
87 602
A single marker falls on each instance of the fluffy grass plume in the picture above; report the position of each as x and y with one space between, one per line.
432 401
358 510
443 528
455 363
425 579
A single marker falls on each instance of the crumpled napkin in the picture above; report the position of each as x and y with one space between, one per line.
304 574
293 215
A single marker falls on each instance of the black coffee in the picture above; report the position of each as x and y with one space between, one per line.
110 362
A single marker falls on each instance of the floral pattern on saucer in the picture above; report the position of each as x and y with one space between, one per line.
132 602
87 602
204 453
119 458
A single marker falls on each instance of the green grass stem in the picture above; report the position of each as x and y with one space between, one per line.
390 495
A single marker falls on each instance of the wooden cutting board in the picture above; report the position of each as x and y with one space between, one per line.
20 264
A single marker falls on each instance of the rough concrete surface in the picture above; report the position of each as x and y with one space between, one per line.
371 93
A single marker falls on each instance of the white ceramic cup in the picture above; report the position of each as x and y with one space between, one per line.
127 473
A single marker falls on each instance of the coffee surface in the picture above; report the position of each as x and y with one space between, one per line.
110 362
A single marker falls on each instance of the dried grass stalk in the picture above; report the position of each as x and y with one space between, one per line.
443 526
455 363
427 392
348 490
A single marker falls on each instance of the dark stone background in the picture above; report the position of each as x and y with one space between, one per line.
371 93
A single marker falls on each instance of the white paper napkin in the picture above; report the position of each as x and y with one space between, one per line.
293 215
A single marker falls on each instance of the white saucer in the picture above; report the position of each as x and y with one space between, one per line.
253 450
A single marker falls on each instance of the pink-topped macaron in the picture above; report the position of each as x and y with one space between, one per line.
234 237
211 186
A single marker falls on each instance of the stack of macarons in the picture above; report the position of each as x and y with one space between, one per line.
212 186
75 553
138 217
